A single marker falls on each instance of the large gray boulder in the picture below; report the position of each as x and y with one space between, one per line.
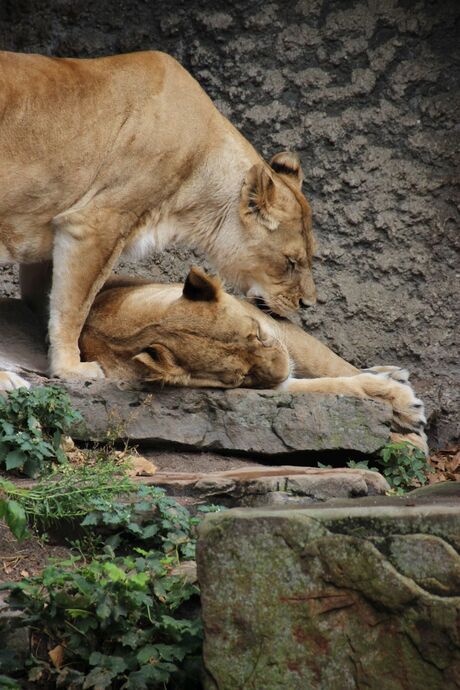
343 596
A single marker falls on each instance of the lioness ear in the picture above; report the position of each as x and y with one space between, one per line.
160 365
258 194
200 287
288 163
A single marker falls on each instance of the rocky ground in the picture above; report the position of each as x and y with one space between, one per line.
367 95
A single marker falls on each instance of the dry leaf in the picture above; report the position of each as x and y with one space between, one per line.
186 570
140 466
67 444
57 655
446 465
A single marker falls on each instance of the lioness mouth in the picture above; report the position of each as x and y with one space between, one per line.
261 304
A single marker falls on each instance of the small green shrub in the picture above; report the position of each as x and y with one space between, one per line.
150 519
32 424
106 503
403 465
111 623
113 618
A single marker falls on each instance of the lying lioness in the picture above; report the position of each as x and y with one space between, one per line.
127 154
198 335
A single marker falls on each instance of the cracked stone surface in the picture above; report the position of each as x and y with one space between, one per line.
368 94
351 594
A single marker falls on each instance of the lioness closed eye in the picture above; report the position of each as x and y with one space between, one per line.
128 154
198 335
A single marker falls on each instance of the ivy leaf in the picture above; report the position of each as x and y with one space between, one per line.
15 517
6 682
8 428
114 573
103 610
139 580
90 519
170 652
135 528
98 678
142 506
150 531
131 638
115 664
14 459
148 652
61 456
142 679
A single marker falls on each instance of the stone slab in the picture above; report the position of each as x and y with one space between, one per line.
340 596
261 485
239 421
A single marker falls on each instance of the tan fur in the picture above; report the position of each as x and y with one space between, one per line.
127 154
9 381
198 335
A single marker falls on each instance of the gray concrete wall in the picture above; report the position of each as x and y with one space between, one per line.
366 92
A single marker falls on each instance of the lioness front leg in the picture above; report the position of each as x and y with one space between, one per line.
408 411
85 251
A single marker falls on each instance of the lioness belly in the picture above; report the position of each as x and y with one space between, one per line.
20 243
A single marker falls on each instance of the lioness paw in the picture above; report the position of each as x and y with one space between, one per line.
390 372
84 371
9 381
408 411
418 440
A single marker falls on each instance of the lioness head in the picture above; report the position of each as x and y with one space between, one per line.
276 265
192 335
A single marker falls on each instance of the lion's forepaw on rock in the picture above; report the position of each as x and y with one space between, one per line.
83 371
390 372
392 385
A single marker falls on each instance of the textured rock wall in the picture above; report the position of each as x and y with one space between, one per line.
366 92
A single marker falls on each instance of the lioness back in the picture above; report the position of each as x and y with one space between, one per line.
128 113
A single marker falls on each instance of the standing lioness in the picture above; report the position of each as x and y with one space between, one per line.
127 153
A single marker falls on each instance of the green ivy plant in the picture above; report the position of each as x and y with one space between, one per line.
150 519
32 424
123 616
106 504
114 623
403 465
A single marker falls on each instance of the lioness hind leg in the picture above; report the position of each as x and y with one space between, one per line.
86 248
9 381
408 411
